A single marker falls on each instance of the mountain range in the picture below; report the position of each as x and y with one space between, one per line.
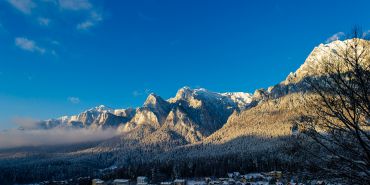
195 124
193 114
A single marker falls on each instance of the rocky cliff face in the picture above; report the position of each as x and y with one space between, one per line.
190 116
100 116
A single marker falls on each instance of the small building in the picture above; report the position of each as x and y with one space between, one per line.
225 183
142 180
196 182
274 174
121 182
231 181
320 183
254 177
208 179
236 174
261 183
233 175
179 182
97 182
167 183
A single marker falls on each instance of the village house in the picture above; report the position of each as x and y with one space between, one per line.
121 182
231 181
214 182
196 182
207 179
142 180
274 174
97 182
254 177
179 182
167 183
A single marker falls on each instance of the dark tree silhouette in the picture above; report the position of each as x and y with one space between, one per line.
338 110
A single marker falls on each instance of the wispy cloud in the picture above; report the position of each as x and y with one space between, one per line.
28 45
43 21
93 20
26 123
75 4
85 25
38 137
136 93
25 6
335 37
74 100
54 53
83 8
366 34
55 42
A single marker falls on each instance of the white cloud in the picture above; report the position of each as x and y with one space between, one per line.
28 45
74 100
94 19
366 34
148 91
54 53
137 93
75 4
85 25
335 37
25 6
55 42
26 123
43 21
56 136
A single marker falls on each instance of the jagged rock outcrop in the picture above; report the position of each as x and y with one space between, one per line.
100 116
189 117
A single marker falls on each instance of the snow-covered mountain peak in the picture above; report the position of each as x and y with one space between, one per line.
187 93
101 108
241 98
195 97
154 100
314 63
184 93
206 108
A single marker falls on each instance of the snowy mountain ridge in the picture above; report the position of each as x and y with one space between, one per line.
190 111
192 114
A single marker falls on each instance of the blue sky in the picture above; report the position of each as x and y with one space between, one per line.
59 57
